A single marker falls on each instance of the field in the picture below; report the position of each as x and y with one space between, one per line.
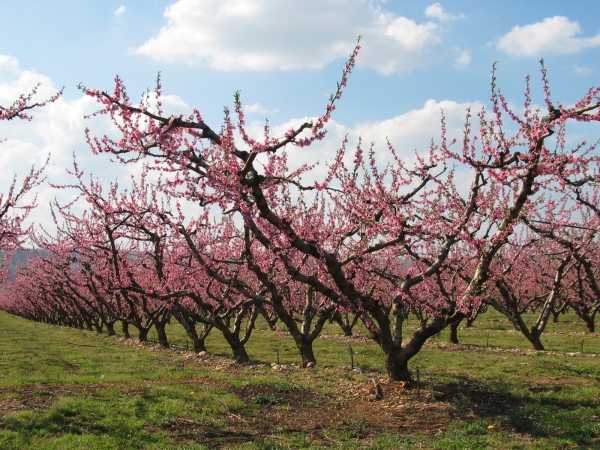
63 388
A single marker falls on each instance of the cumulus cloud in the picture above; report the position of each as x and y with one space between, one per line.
408 133
257 108
9 63
463 59
552 35
436 11
57 130
271 34
120 10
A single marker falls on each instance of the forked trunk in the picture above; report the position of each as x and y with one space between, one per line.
535 340
344 322
198 345
396 365
237 348
397 356
143 334
190 328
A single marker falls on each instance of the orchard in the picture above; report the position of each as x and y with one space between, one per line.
218 231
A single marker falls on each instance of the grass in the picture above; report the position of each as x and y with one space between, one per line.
62 388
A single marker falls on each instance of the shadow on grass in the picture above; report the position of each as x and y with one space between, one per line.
538 410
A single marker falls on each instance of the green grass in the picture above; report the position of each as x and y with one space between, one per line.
62 388
33 353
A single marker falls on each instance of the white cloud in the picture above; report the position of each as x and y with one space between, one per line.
120 10
436 11
9 63
463 59
408 132
272 34
257 108
552 35
57 129
580 70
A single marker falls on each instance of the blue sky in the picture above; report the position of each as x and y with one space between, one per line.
285 57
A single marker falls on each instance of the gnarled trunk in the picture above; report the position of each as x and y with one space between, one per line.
396 365
161 333
125 329
238 349
344 322
110 327
398 356
143 334
454 331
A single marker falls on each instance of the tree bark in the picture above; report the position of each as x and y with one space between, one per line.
535 340
143 334
555 315
344 322
125 329
162 334
307 354
397 365
397 357
110 328
454 331
238 349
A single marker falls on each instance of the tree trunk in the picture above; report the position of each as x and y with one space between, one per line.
537 343
125 329
344 322
162 334
454 331
238 349
143 335
590 327
397 366
196 341
239 352
397 357
307 353
110 328
189 324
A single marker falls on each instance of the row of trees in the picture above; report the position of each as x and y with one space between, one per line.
213 235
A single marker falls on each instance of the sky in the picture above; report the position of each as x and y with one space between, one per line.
285 57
